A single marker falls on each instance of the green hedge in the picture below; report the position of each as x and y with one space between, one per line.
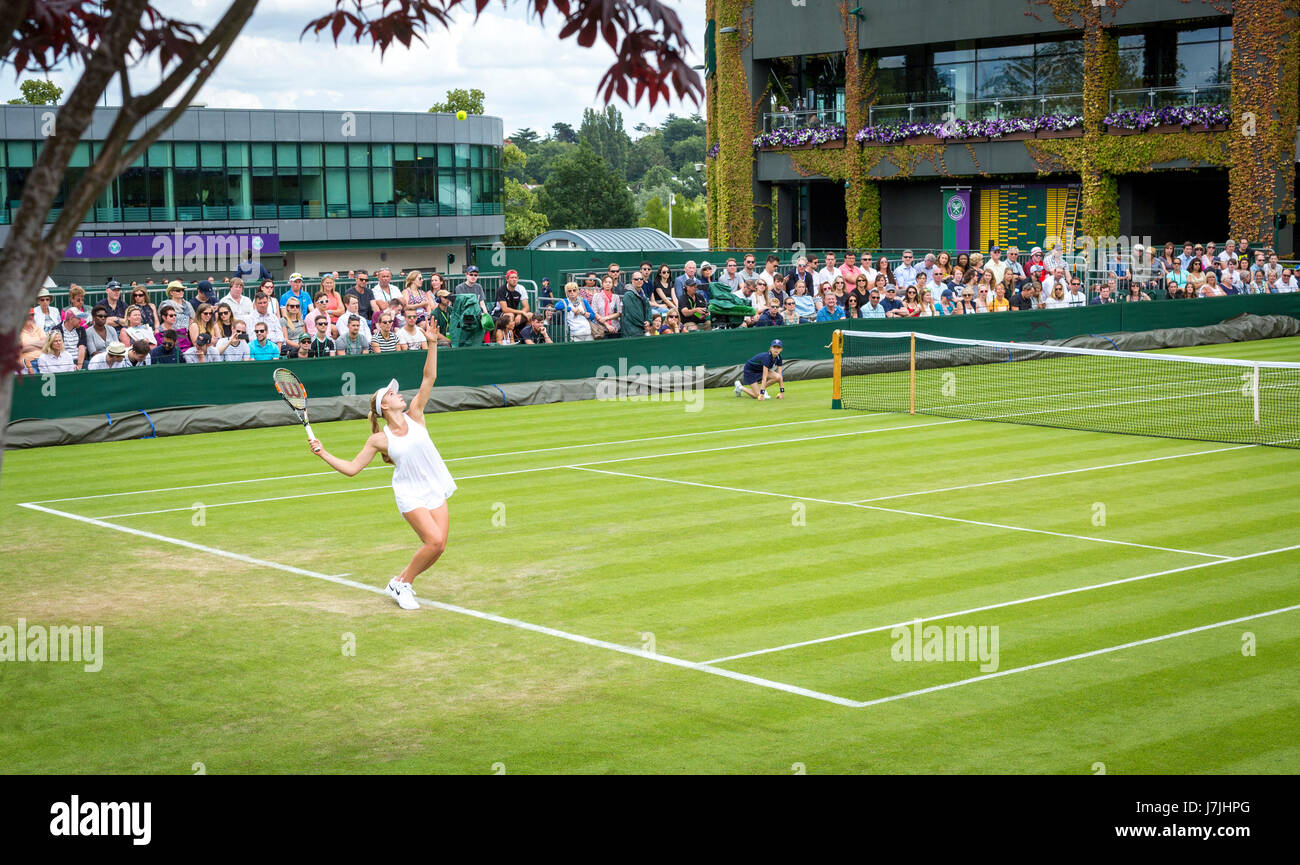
87 393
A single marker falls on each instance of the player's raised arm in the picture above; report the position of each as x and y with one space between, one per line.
416 409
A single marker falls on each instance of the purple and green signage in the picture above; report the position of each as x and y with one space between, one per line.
176 246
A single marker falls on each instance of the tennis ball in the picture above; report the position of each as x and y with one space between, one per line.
460 115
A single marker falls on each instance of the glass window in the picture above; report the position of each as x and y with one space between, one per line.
311 154
286 155
955 81
336 191
1003 52
20 154
1198 63
1203 34
1006 78
236 155
961 56
80 155
462 155
239 187
210 155
160 154
381 155
187 154
358 155
263 156
335 155
359 192
446 192
475 156
1135 40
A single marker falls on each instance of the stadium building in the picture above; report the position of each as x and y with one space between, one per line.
1040 118
309 191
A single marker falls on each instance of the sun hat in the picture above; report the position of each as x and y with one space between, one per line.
116 349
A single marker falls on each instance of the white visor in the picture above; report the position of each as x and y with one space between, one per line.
379 394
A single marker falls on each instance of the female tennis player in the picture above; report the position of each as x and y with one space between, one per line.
421 482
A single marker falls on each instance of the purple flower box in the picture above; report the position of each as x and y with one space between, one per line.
1060 133
1169 119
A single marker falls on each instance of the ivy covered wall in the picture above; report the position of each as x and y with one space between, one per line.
1258 147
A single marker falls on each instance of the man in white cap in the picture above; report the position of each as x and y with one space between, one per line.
110 357
297 293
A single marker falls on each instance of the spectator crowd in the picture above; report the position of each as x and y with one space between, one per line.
126 329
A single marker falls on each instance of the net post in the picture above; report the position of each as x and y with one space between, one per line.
837 352
911 373
1254 390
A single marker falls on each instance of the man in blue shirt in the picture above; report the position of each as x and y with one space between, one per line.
905 273
891 301
759 370
831 311
873 308
295 291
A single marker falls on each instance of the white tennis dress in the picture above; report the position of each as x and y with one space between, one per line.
420 477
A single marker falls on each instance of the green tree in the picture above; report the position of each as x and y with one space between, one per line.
582 191
514 161
603 132
38 91
689 216
686 153
646 153
677 129
523 219
563 133
458 99
543 158
526 139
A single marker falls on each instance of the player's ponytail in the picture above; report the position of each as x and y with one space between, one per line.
374 425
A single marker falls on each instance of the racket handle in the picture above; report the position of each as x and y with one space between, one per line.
310 435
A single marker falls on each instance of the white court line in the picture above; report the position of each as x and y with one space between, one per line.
1052 474
907 513
453 459
1077 657
465 611
1000 605
527 470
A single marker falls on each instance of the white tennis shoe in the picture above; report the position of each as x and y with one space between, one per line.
403 593
739 388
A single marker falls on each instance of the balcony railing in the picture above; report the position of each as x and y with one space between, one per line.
1162 97
976 109
805 117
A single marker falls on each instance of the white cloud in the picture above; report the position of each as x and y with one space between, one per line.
530 78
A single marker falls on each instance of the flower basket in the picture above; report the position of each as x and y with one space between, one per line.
1076 132
922 139
1014 136
1119 130
973 139
1208 127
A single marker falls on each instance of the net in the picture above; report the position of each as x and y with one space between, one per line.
1173 396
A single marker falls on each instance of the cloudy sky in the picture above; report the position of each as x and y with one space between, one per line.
530 78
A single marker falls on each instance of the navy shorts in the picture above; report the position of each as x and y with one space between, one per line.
748 378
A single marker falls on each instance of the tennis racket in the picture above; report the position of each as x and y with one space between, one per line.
291 388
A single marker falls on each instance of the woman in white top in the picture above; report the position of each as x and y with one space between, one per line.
53 358
136 327
421 482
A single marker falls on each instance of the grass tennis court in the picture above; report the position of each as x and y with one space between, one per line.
673 592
